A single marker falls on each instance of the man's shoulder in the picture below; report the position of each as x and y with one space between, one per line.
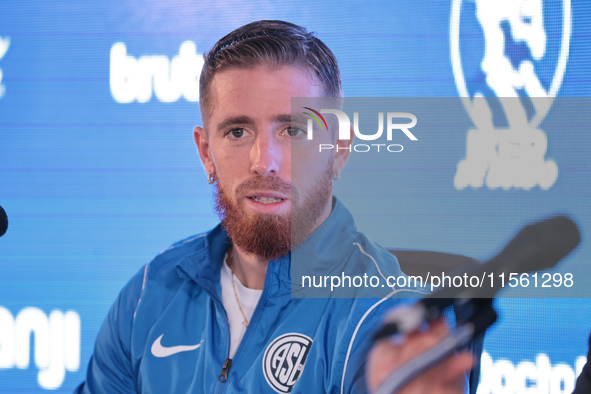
378 255
185 246
156 283
162 271
366 257
170 257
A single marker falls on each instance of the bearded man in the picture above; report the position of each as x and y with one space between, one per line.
214 312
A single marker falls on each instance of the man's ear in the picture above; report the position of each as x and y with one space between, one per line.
344 149
203 147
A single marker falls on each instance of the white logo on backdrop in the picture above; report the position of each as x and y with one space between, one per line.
4 44
511 156
134 79
539 376
56 339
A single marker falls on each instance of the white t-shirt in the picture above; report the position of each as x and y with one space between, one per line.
248 299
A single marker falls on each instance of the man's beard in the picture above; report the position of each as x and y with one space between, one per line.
268 235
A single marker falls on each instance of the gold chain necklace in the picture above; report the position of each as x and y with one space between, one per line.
230 255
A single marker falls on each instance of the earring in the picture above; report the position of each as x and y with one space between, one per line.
210 178
336 174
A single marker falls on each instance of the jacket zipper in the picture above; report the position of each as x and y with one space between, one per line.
225 369
256 312
223 378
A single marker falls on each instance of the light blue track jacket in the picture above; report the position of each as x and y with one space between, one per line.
168 331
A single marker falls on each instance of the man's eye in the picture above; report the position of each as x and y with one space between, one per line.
294 131
237 133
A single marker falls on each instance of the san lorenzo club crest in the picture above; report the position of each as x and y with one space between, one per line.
284 360
508 64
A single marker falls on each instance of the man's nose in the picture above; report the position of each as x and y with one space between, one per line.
266 155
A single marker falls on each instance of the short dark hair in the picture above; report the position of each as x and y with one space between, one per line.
275 43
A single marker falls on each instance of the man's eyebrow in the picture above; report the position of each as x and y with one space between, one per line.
283 118
236 120
248 121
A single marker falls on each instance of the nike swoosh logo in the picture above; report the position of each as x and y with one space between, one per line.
160 351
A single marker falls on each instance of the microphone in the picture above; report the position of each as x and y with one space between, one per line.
537 246
3 221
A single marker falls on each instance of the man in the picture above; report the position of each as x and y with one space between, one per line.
214 313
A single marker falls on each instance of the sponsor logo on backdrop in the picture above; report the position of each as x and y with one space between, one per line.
56 340
539 377
138 79
519 74
284 360
396 122
4 44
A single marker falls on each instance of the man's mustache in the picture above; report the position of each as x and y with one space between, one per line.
266 183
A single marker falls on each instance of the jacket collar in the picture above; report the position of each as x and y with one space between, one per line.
329 244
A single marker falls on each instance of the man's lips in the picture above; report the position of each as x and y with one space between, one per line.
267 200
267 197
